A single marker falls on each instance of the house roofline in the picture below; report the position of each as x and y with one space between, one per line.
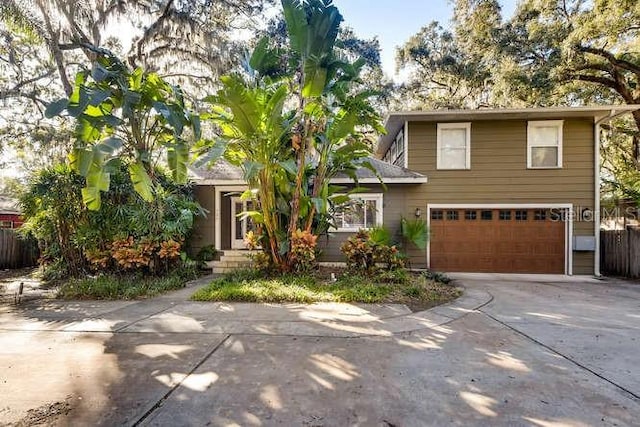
392 180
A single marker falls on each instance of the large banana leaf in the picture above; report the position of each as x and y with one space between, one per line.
242 104
178 159
141 181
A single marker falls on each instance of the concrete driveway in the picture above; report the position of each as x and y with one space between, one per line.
515 350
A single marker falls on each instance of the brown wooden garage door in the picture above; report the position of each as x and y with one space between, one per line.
497 241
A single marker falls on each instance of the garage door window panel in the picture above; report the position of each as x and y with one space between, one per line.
505 215
454 146
544 144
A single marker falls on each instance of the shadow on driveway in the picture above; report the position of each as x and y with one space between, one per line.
171 362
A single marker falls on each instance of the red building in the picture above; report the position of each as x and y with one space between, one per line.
9 213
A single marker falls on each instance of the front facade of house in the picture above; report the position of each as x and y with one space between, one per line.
511 191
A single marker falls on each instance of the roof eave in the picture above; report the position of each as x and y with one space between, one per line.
391 180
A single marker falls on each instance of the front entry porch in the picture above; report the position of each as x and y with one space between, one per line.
231 226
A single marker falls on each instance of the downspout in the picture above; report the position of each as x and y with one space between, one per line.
596 224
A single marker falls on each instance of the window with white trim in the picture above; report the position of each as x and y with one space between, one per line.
544 144
396 151
454 146
6 224
363 211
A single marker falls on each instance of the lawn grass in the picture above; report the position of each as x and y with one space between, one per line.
117 287
414 290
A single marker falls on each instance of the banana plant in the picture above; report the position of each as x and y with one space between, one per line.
254 129
127 115
289 157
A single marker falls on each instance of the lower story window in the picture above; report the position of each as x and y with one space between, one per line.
363 211
6 224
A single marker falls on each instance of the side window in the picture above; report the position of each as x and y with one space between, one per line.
362 211
453 146
544 144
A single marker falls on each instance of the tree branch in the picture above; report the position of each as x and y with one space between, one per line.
620 63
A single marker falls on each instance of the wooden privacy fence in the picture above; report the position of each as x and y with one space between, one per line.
620 252
15 252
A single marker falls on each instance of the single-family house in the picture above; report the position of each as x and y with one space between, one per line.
501 190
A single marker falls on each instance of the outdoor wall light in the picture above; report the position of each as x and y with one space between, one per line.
418 212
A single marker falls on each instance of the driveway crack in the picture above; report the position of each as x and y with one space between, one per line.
631 394
160 402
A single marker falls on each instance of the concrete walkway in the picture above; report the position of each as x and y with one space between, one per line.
514 350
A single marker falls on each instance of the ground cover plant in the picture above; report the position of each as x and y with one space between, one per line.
124 287
416 290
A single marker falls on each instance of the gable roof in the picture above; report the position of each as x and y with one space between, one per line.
9 205
224 173
390 174
395 121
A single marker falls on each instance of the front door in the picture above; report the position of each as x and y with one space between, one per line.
240 225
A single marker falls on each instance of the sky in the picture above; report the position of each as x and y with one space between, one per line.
394 21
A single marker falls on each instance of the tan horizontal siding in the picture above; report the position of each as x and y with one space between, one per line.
204 227
499 173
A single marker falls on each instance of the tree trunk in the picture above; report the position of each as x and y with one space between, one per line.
636 139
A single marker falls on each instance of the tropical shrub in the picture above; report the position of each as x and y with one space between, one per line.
380 235
126 234
363 254
206 253
53 211
303 250
414 232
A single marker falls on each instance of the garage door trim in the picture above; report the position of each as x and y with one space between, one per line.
568 225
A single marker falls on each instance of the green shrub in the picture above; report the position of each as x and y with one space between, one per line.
363 254
415 232
129 286
206 253
396 275
303 251
380 235
437 277
127 233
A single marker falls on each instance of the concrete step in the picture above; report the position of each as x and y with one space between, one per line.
221 270
231 265
234 258
236 252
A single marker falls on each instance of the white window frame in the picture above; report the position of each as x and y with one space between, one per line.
559 125
441 126
378 198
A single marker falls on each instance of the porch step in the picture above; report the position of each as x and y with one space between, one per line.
230 260
223 270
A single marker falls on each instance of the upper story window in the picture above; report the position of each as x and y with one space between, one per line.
544 144
363 211
395 153
454 146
